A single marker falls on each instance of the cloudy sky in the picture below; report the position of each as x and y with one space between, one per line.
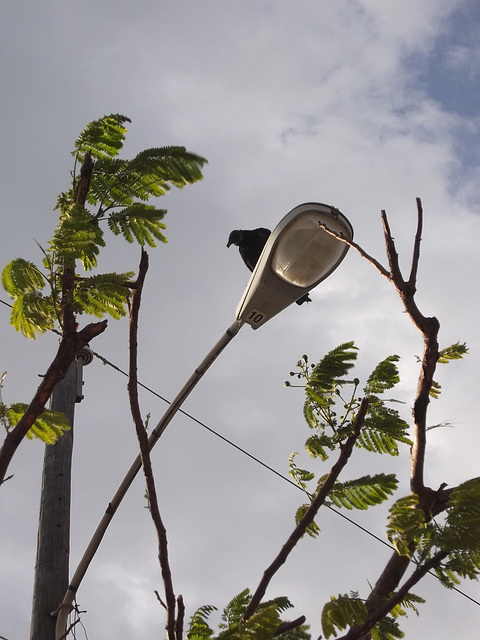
360 104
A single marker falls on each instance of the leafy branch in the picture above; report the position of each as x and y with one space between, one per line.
451 548
54 295
311 512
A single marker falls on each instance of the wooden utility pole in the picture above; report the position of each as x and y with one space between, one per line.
53 544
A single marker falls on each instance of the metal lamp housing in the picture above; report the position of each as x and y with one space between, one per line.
298 255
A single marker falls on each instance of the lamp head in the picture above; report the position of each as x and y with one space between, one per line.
298 255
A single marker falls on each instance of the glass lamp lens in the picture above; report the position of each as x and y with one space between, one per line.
305 253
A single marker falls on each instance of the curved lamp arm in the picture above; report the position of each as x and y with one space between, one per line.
66 605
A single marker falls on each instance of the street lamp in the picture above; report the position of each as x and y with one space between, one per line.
298 255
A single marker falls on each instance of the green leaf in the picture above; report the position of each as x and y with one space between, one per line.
460 565
235 609
342 612
406 524
152 172
384 376
383 430
48 427
409 602
363 492
21 276
169 165
33 314
77 237
312 528
140 222
103 293
316 446
301 476
262 625
435 390
454 352
102 138
386 629
199 628
462 526
328 373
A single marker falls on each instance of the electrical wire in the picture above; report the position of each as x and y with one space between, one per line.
257 460
268 467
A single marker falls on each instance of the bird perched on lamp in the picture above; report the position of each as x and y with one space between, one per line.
250 245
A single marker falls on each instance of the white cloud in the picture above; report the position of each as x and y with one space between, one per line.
289 102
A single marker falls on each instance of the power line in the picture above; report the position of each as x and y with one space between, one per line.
266 466
236 446
255 459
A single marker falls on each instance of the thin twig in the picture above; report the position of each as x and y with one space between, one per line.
160 599
392 255
416 246
180 618
358 248
288 626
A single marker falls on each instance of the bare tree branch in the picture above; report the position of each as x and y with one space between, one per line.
288 626
180 618
416 247
392 255
145 452
68 349
430 501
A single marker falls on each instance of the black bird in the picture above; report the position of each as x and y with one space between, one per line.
250 244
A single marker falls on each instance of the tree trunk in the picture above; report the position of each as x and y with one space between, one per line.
53 544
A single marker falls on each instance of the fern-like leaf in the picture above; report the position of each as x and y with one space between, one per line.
102 138
33 314
363 492
140 222
312 528
342 612
234 610
199 628
435 390
48 427
317 445
152 172
104 293
332 368
21 276
77 236
387 629
462 527
301 476
383 430
174 165
409 602
383 377
453 352
406 524
460 565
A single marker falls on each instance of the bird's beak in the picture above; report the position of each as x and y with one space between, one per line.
228 244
